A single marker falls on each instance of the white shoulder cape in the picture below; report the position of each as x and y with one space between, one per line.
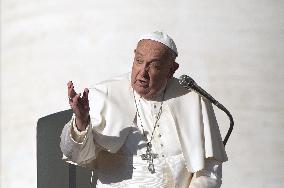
113 111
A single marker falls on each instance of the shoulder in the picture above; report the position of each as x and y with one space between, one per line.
114 84
175 91
114 91
123 78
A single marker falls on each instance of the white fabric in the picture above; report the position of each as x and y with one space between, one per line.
113 110
170 166
113 113
162 38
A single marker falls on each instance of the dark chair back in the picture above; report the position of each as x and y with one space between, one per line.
52 171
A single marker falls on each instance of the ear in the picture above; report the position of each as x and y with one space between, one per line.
173 69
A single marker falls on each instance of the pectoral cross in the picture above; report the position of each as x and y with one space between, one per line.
149 156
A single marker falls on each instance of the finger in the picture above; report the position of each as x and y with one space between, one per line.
86 93
85 98
71 91
70 87
69 84
75 100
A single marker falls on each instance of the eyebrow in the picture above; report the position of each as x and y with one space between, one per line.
155 59
136 52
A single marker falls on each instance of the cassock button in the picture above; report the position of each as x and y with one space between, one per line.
155 106
160 135
163 155
162 145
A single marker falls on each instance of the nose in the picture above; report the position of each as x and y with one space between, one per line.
145 71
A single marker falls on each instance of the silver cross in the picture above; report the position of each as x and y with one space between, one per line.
149 156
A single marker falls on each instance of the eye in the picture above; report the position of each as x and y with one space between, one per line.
156 65
139 61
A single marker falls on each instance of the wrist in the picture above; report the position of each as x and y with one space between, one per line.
81 123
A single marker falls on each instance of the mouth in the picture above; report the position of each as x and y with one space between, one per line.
143 83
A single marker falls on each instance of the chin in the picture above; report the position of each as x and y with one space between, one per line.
142 92
145 93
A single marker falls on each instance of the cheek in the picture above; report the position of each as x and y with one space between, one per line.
157 80
134 73
135 68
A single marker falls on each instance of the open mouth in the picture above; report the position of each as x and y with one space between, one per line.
143 83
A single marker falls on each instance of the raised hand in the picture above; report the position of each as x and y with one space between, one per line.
79 105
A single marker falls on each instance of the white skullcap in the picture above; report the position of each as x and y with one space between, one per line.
162 38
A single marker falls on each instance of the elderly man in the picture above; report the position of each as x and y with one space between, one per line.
143 129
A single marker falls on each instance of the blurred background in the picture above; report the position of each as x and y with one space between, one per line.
233 49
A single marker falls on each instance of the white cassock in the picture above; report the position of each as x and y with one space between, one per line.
187 139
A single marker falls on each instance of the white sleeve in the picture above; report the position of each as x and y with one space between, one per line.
77 135
82 148
78 147
209 177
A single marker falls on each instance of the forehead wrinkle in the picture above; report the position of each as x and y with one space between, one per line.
157 54
147 42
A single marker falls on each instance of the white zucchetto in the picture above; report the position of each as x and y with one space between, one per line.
162 38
